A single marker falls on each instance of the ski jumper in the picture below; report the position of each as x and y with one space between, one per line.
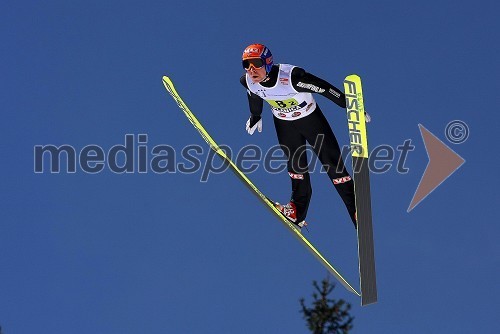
298 119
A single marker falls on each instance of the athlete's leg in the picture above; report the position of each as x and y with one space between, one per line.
320 136
293 145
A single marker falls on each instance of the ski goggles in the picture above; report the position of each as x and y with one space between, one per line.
253 62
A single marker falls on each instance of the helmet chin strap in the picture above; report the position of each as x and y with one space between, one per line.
266 78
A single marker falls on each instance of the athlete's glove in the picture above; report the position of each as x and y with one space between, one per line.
368 119
254 122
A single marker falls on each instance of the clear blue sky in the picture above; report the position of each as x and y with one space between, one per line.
164 253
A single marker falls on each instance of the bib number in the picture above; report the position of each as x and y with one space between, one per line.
284 104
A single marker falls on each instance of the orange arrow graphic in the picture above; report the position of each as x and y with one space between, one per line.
443 162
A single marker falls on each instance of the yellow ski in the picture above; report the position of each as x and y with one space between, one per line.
359 146
267 202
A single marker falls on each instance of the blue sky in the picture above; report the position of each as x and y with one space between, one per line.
165 253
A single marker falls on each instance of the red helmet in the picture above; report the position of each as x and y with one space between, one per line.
257 51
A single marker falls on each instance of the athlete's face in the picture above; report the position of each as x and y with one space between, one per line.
257 74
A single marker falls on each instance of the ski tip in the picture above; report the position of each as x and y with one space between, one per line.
352 77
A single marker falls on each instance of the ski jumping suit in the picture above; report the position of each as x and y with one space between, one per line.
297 119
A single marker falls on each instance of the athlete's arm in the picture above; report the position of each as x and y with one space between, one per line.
255 102
307 83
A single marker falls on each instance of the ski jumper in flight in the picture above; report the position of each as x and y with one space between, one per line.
298 119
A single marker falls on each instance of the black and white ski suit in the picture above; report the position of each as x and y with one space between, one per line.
298 119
